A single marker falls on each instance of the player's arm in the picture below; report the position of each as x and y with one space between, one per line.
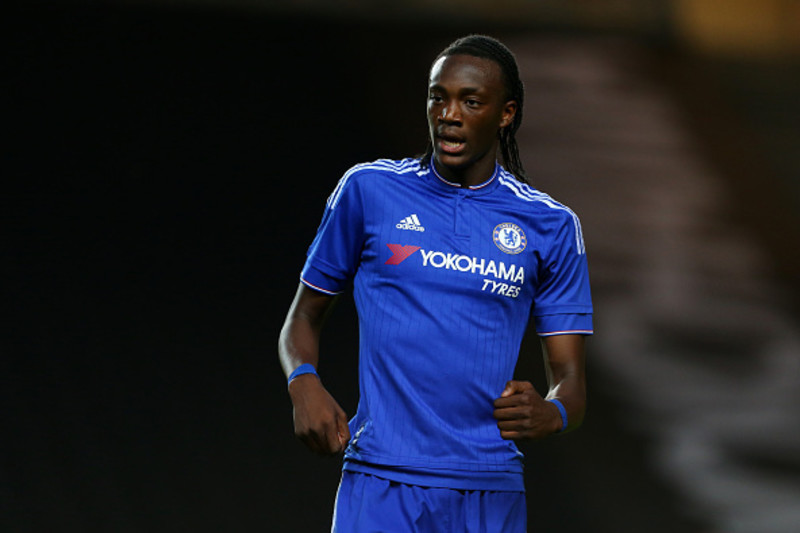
565 364
522 413
318 420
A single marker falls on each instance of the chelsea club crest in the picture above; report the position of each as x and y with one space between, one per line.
509 238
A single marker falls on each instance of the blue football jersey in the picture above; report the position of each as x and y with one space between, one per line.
445 279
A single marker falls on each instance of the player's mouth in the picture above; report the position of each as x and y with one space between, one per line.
451 146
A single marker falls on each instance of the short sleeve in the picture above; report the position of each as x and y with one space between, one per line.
563 302
335 252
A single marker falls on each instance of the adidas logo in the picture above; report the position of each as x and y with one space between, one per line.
410 222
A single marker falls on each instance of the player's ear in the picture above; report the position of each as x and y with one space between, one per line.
509 112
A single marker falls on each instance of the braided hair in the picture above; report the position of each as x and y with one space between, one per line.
490 48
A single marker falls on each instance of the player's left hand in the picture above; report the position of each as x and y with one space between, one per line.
522 413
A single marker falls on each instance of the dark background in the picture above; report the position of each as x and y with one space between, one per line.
165 172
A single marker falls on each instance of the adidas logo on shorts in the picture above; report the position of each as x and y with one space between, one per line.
411 222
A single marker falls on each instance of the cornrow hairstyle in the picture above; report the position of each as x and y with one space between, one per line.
490 48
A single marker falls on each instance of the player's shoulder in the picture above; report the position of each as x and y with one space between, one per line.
548 213
363 175
528 198
384 167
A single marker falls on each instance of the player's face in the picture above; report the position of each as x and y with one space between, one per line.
466 110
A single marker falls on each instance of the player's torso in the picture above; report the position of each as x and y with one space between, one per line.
444 290
458 242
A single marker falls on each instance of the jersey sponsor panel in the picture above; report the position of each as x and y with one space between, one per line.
462 263
497 277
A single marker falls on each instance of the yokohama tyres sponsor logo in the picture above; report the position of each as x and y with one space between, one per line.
460 263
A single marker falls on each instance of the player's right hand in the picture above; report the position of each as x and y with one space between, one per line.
319 421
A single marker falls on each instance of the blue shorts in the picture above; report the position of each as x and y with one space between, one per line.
369 504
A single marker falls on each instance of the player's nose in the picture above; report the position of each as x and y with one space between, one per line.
450 113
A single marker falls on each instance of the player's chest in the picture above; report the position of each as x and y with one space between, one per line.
457 242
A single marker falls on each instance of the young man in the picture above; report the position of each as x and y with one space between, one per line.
449 254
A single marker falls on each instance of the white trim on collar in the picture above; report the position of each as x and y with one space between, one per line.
471 187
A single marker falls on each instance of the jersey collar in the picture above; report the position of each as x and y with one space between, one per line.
481 188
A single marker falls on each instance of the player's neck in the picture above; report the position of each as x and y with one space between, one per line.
475 174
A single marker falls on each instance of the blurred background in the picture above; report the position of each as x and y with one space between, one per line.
166 166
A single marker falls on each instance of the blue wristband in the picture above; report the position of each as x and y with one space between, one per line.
563 412
306 368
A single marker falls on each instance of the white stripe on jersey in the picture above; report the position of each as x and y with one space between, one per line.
567 332
529 194
401 167
326 291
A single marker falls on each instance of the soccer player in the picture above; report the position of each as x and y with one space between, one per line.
449 254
